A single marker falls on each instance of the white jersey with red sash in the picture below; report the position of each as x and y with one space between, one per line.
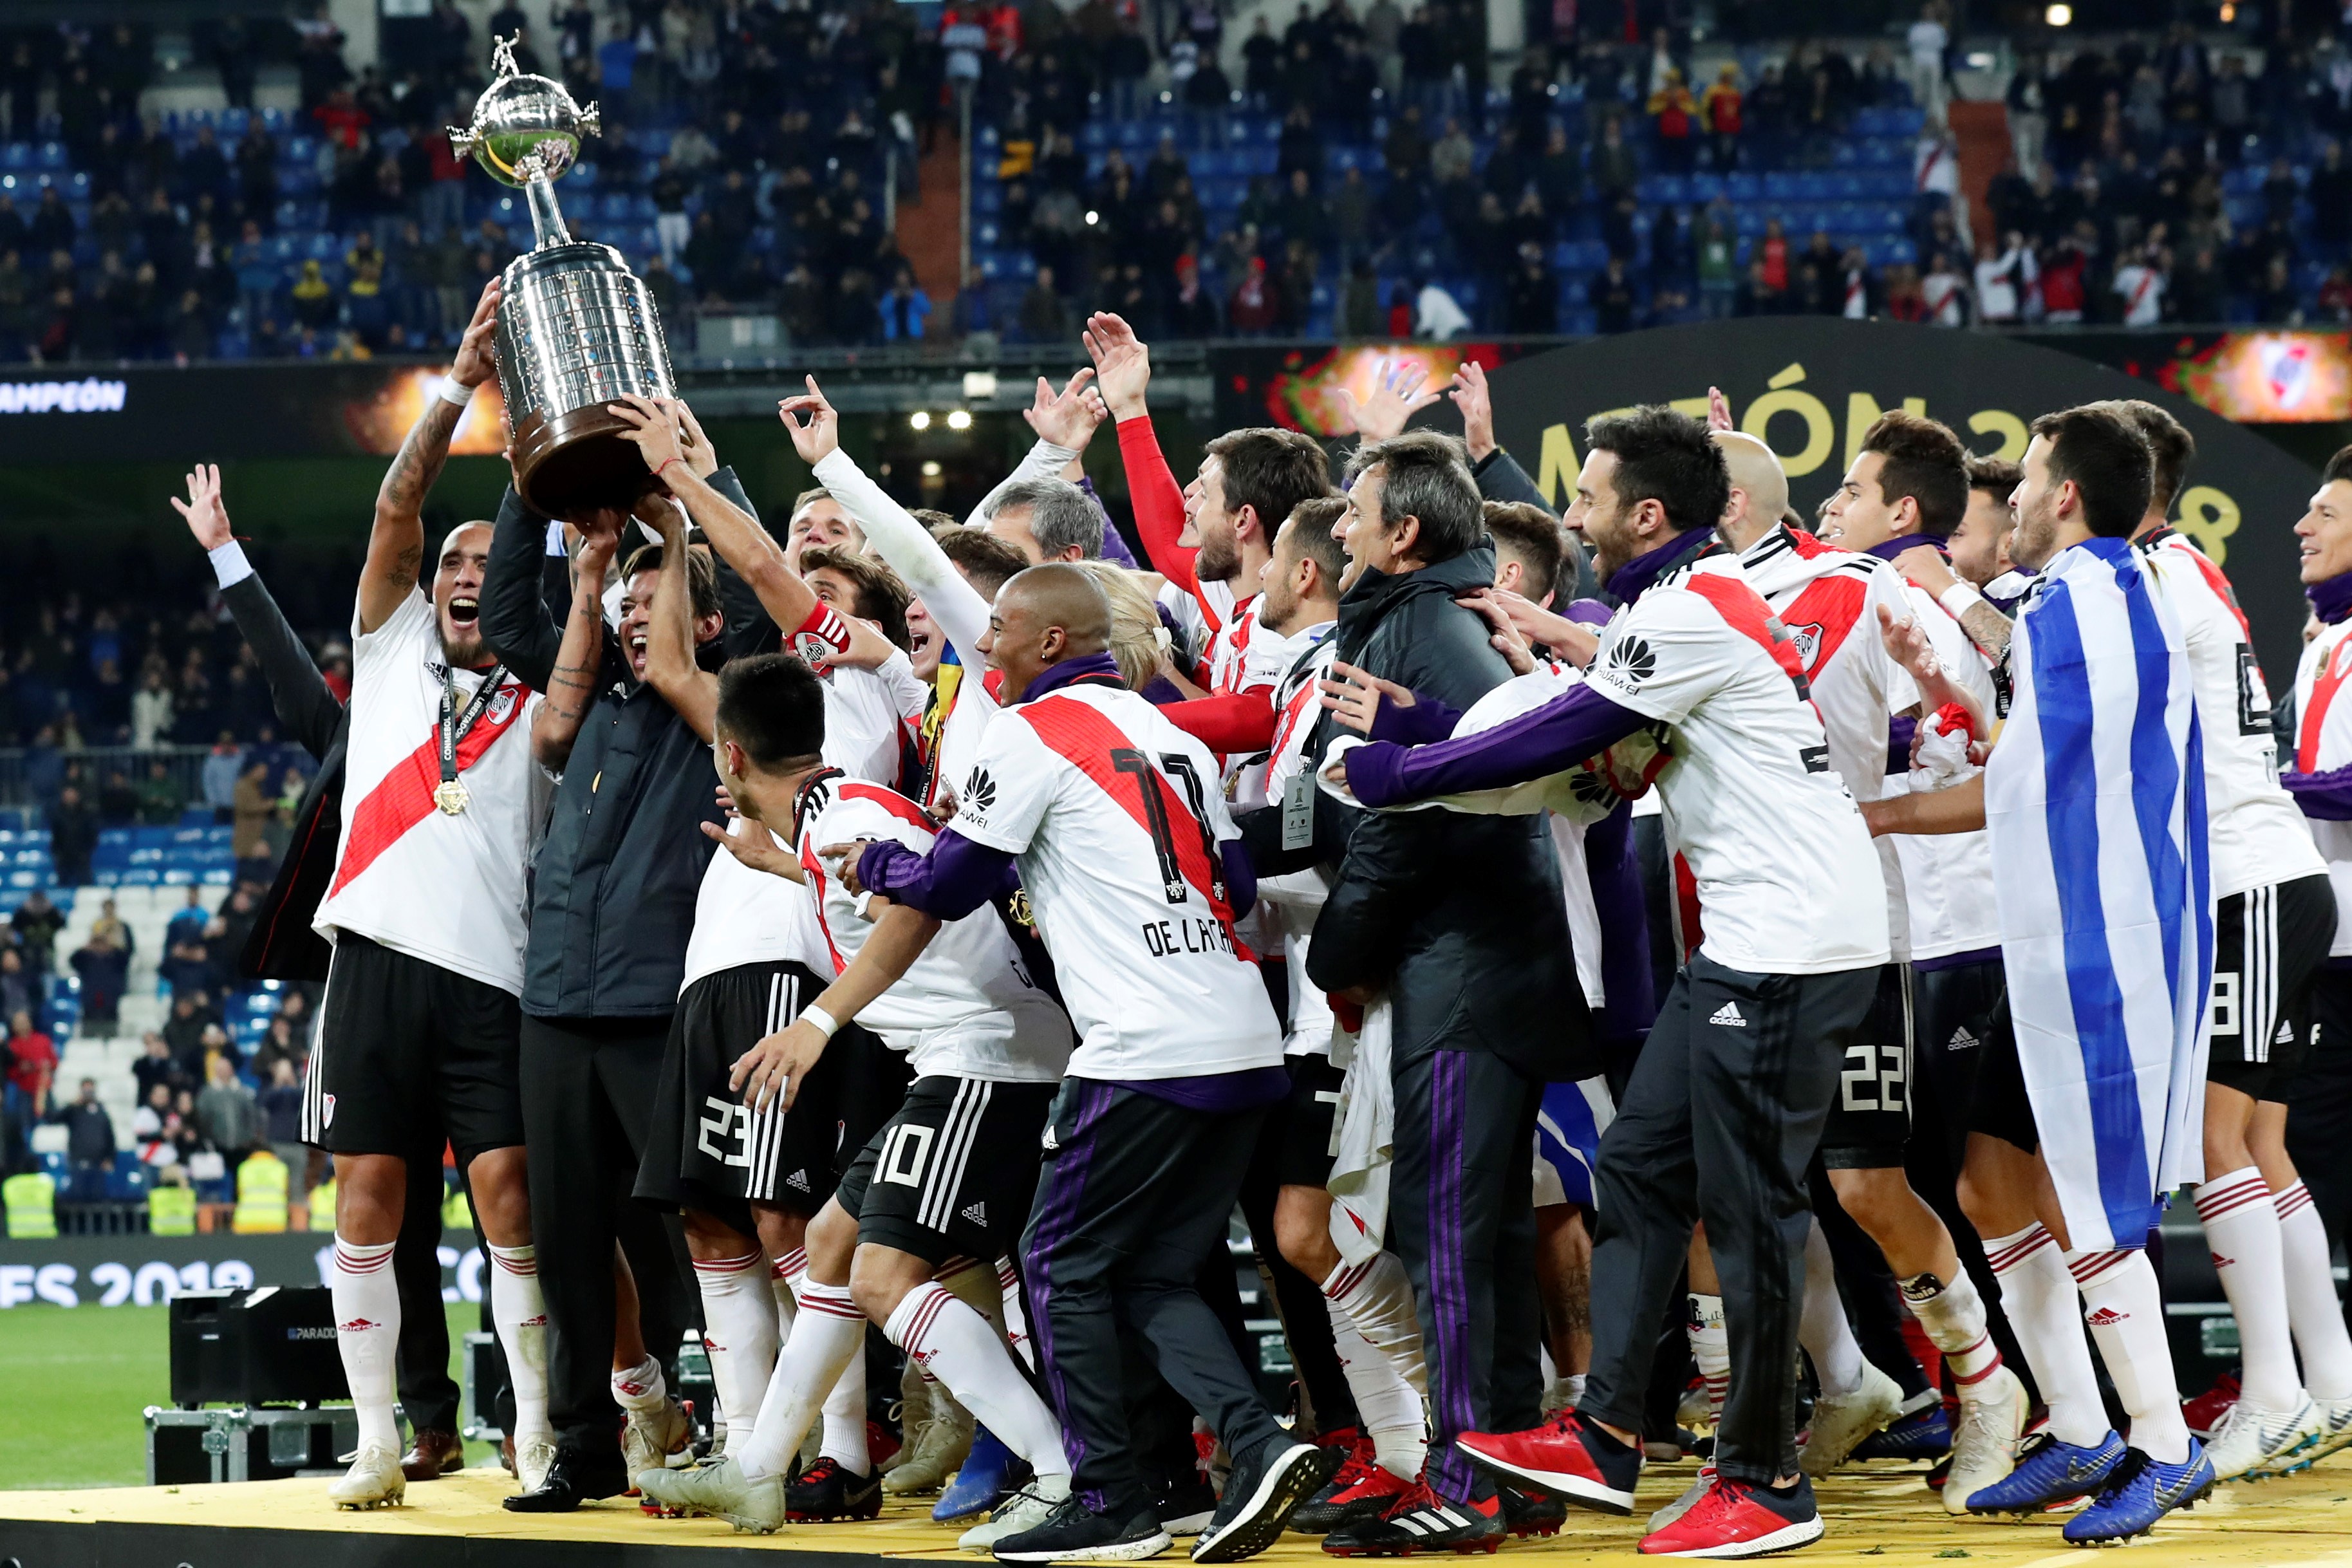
2323 743
447 888
1114 816
965 1008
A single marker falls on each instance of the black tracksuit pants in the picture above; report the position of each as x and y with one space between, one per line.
1719 1122
1462 1219
587 1098
1136 1193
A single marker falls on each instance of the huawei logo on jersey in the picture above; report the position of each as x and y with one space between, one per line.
1631 661
979 791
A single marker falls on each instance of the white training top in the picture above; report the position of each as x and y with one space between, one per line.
446 889
2254 833
1115 816
745 917
2323 743
965 1008
1788 881
1948 890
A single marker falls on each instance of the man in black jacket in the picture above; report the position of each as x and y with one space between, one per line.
1476 969
282 946
611 907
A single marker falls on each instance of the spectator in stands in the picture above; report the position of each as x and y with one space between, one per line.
103 965
188 961
279 1047
32 1066
1675 113
20 988
152 1125
253 811
183 1032
155 1069
218 776
186 1138
89 1144
1721 111
38 920
73 836
159 795
227 1116
280 1104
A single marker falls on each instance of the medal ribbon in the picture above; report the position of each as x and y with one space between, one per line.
453 725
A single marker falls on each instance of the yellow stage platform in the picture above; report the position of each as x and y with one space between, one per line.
1879 1516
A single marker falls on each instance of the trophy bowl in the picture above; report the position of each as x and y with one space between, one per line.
577 330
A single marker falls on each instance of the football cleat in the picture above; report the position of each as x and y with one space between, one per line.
2253 1442
2205 1412
1840 1424
1420 1520
1984 1449
827 1490
720 1491
373 1481
989 1474
1367 1496
1740 1519
2141 1492
1568 1456
1924 1434
2049 1472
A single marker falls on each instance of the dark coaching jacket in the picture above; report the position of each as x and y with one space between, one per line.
614 883
1460 917
282 946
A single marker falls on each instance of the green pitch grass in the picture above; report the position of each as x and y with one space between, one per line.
79 1378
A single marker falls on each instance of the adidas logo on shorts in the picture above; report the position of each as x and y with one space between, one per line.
1729 1016
798 1179
977 1214
2285 1036
1962 1040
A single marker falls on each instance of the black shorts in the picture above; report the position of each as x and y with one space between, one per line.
953 1172
1955 1012
2269 944
706 1150
2003 1108
1870 1115
1302 1125
408 1053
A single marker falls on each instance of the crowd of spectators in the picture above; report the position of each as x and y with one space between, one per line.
2160 177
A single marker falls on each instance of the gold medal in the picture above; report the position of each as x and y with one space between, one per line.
452 797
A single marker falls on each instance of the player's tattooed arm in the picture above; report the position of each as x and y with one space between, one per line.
396 542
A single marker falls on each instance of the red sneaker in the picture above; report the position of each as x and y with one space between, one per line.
1567 1455
2204 1413
1738 1518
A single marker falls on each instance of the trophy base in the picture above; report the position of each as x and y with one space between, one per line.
577 462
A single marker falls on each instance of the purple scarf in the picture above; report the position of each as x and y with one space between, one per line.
1631 581
1888 549
2331 600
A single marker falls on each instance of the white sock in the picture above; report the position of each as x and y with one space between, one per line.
828 1336
1378 1297
2311 1302
1569 1391
962 1350
1017 1318
2038 1295
367 1332
2124 1313
1385 1403
739 1317
845 1414
2242 1231
1953 1315
785 1276
639 1389
1711 1348
1823 1328
520 1311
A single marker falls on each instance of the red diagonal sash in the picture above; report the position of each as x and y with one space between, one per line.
1833 603
2323 688
403 797
1744 610
1084 739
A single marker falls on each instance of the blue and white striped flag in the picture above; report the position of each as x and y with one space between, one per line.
2094 797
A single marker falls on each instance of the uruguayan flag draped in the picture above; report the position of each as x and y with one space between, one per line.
2096 800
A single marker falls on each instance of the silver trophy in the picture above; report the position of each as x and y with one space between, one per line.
576 327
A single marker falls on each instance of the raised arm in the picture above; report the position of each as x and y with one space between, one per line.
1123 378
904 543
298 694
670 668
571 685
1064 422
396 542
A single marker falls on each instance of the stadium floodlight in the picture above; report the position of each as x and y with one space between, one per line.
2059 16
920 419
961 419
930 470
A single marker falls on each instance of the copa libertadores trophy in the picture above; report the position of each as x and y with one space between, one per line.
576 327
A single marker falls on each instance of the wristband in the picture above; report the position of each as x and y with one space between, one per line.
1957 599
665 463
822 635
455 395
819 1019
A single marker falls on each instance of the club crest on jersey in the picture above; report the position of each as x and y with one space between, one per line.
978 792
502 704
814 650
1631 660
1808 639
